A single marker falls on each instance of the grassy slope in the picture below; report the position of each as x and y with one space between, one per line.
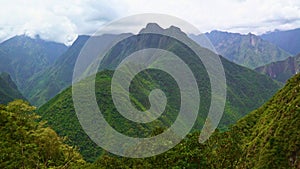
271 134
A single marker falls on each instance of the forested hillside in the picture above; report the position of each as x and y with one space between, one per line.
268 137
60 113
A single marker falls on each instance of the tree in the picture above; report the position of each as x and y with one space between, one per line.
26 143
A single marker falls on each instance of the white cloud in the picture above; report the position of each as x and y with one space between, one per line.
62 21
55 20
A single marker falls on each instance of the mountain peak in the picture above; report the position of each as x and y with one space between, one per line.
151 27
155 28
175 29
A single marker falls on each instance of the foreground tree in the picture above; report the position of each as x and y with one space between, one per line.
26 143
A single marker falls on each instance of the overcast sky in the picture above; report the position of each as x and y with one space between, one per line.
62 21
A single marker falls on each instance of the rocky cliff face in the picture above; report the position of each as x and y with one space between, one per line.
282 70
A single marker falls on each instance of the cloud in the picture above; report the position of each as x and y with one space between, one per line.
55 20
62 21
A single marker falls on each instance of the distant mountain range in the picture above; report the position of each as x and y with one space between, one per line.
22 57
246 50
282 70
288 40
8 89
41 69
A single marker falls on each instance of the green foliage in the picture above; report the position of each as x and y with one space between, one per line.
220 151
268 137
61 116
272 132
25 143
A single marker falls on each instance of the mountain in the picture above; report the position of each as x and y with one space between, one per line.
282 70
247 50
246 90
8 89
268 137
287 40
47 83
22 57
271 134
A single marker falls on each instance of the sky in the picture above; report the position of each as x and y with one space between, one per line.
63 21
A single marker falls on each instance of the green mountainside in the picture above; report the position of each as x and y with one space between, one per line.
282 70
54 79
49 82
271 134
266 138
247 50
22 57
8 89
246 91
46 84
253 132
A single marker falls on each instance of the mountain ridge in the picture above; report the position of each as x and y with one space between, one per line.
288 40
247 50
22 57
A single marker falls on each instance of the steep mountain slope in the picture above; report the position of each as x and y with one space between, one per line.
267 138
22 57
271 134
8 89
247 50
49 82
282 70
246 89
287 40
